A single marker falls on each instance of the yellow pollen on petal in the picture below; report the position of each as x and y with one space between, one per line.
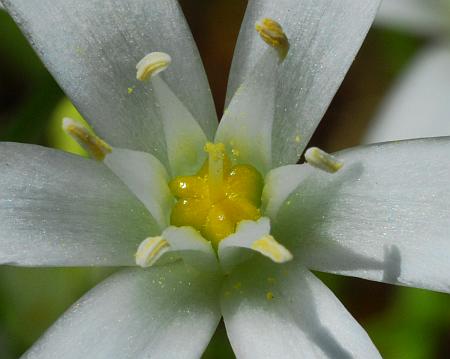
152 64
218 197
272 33
94 145
237 285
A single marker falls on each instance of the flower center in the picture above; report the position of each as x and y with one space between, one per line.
218 197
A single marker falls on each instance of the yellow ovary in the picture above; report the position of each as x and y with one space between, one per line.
218 197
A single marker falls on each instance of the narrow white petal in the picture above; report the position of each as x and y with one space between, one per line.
147 178
419 104
184 137
92 48
429 17
324 36
384 216
251 236
191 247
60 209
164 312
283 311
246 126
279 184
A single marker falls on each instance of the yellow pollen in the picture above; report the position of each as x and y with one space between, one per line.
94 145
269 295
218 197
272 33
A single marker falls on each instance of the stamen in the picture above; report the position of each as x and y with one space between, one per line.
152 64
272 33
150 250
322 160
216 154
94 145
269 247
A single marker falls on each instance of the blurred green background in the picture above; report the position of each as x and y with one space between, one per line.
403 322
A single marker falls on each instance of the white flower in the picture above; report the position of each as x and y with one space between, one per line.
419 103
382 216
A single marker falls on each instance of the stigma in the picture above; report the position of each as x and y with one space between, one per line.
218 197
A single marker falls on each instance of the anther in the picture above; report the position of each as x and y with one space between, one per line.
152 64
150 250
94 145
268 246
322 160
272 33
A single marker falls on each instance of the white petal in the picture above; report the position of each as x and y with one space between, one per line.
251 236
279 184
246 126
416 16
191 247
324 36
165 312
147 178
419 104
283 311
60 209
92 48
384 216
184 137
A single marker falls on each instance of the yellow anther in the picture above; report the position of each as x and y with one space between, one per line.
150 250
269 295
268 246
152 64
218 197
94 145
272 33
322 160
